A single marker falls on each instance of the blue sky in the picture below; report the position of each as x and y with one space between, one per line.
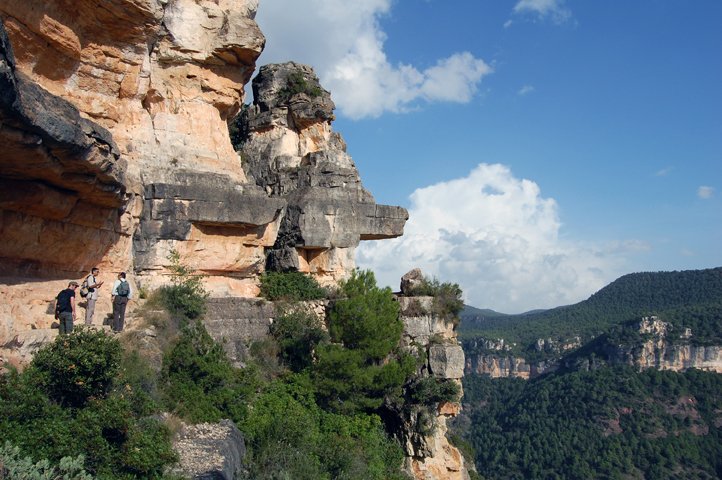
543 147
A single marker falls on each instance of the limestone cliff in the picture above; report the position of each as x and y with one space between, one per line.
422 432
663 349
290 150
651 343
114 120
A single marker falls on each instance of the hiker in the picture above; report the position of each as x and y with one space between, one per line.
92 284
121 295
65 308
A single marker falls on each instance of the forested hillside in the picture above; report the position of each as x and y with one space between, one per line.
606 423
687 299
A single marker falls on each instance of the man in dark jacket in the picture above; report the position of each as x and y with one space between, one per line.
65 308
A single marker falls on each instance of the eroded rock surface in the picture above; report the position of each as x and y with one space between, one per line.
291 151
422 429
116 151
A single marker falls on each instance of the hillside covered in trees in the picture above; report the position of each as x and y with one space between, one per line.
606 423
687 299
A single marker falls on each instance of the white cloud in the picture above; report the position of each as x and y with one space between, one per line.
525 90
498 237
705 192
344 43
552 9
664 172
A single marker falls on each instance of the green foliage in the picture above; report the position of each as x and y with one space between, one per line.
198 381
290 286
14 466
289 436
367 318
607 423
78 367
298 83
357 372
186 297
298 334
447 297
104 428
432 390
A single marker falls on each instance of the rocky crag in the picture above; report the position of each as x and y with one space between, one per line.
422 432
114 121
654 344
114 117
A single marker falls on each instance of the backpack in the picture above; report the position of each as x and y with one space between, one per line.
84 290
123 289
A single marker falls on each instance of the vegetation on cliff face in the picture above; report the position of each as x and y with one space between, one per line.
306 403
607 423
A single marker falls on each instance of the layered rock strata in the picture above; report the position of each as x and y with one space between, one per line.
659 349
290 150
429 455
114 121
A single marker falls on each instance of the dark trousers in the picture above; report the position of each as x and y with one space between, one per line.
119 304
66 322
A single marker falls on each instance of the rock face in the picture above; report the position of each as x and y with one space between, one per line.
290 150
210 451
658 348
430 456
114 123
661 351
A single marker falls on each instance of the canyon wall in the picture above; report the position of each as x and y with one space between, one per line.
657 347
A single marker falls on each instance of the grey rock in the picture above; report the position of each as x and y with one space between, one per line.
446 361
238 322
327 204
188 198
411 280
210 451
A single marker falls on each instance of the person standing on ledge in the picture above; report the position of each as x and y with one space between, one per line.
65 308
93 285
121 294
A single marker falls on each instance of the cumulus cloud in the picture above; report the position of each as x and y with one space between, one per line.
344 42
498 237
705 192
551 9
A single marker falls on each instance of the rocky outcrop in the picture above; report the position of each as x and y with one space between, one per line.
494 357
116 151
210 451
422 429
290 150
662 349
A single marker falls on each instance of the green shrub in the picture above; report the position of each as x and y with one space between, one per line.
447 297
362 368
432 390
186 297
298 334
367 319
78 367
290 286
14 466
297 83
198 381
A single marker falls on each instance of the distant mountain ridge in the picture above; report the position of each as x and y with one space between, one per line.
627 298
